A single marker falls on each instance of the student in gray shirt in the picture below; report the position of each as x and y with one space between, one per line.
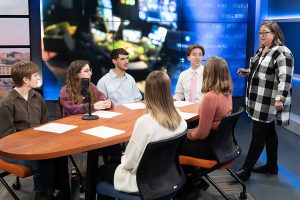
119 86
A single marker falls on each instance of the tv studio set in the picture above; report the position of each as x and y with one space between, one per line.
46 121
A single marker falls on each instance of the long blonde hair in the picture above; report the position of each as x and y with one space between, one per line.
159 102
216 76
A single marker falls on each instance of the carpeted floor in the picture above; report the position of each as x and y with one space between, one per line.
222 178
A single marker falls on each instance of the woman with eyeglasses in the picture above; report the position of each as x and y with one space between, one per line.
71 98
268 97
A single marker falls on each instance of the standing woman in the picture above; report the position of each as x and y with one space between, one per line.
268 97
71 98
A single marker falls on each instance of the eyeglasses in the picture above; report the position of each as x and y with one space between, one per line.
264 33
88 70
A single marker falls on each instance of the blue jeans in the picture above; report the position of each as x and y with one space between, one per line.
43 173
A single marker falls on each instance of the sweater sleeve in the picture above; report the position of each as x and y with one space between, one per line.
207 110
284 72
69 107
100 95
136 146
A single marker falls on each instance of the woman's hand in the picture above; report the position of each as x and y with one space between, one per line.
278 105
107 103
243 72
102 105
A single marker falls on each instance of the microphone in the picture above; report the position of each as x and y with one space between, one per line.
84 89
84 86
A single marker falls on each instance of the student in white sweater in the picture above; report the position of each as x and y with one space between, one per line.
161 121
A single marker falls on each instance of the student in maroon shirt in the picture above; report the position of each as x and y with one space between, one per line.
71 99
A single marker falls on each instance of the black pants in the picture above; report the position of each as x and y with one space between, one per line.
197 149
262 134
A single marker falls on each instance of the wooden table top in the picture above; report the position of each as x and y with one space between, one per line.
32 144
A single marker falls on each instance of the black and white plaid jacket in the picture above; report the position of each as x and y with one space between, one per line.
270 76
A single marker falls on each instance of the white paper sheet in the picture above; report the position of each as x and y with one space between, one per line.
186 115
135 106
103 131
55 127
182 103
106 114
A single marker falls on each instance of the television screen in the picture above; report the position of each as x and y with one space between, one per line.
156 33
10 8
6 84
14 31
163 12
132 35
9 56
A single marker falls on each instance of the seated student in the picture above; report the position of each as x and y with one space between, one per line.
23 108
189 83
119 86
73 103
71 98
216 103
161 121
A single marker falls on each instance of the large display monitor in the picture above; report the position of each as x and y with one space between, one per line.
163 12
155 32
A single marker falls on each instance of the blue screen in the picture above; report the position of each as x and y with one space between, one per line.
291 31
156 33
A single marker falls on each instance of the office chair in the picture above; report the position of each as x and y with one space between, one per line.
226 150
16 169
159 174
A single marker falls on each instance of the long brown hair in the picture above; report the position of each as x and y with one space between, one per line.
73 81
216 76
159 102
274 27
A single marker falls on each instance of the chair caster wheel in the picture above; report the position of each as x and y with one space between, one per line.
16 186
243 195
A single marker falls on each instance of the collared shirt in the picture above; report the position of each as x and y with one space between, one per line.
182 91
119 90
17 114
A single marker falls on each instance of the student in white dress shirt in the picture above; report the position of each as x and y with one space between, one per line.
186 88
117 85
160 121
